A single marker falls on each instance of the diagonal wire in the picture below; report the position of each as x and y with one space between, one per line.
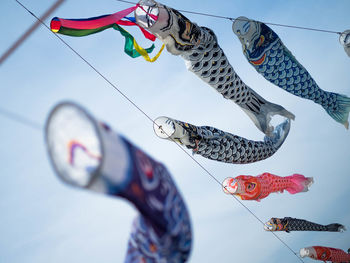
148 117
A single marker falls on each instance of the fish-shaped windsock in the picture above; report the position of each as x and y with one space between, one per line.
87 154
249 187
199 47
344 39
325 254
294 224
270 57
218 145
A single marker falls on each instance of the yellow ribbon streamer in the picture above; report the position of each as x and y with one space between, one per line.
144 53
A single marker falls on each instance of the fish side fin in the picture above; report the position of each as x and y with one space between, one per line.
342 114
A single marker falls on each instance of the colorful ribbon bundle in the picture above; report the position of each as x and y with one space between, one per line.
88 26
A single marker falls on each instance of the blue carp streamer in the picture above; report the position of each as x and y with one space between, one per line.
270 57
162 231
86 153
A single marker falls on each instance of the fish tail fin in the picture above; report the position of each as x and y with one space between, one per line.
279 134
341 115
336 227
300 183
262 117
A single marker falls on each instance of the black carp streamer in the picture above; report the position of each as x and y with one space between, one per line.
294 224
199 47
218 145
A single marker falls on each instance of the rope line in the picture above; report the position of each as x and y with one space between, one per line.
148 117
20 119
232 19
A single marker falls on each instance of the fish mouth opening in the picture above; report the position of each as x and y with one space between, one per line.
231 186
304 252
268 227
164 127
307 252
147 13
241 26
246 30
344 38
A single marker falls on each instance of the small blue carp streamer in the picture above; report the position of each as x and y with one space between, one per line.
218 145
288 224
86 153
203 56
270 57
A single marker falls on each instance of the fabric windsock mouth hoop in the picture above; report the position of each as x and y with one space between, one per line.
147 13
241 26
245 29
306 252
164 127
83 150
344 40
231 186
74 144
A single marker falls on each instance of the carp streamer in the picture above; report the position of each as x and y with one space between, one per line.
87 154
294 224
271 58
325 254
249 187
218 145
199 47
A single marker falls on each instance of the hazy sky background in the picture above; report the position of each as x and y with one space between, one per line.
42 220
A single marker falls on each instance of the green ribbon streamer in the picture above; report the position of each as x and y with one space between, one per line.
81 32
129 42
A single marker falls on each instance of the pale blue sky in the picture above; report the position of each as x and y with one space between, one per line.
43 220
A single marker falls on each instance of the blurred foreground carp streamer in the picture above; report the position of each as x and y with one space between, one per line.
218 145
87 154
199 47
288 224
344 39
249 187
271 58
326 254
